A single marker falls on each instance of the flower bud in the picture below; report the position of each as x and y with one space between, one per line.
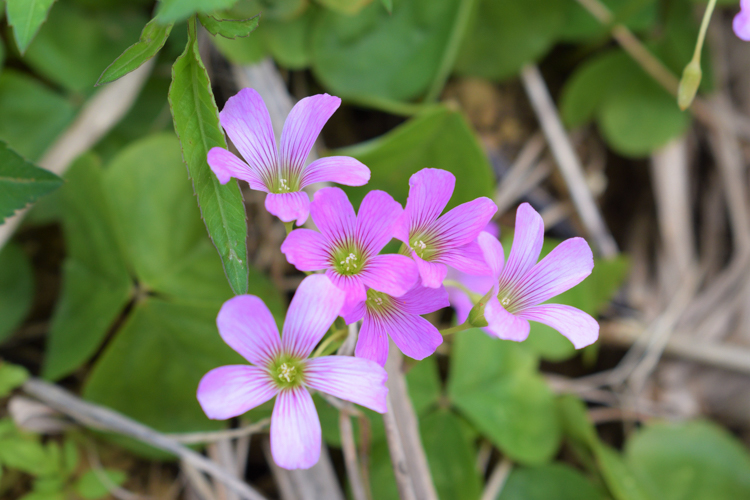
476 315
691 79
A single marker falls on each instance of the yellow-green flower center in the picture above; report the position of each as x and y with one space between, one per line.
423 246
287 372
348 260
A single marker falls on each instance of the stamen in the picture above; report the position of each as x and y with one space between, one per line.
284 186
505 302
287 372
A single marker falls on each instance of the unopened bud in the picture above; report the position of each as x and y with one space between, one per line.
691 79
476 315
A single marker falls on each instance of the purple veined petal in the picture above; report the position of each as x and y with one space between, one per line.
493 229
295 430
460 302
229 391
563 268
432 273
503 324
468 259
247 122
391 273
353 311
580 328
315 305
302 127
307 250
358 380
334 215
226 165
289 206
430 190
413 335
372 342
741 23
339 169
375 220
400 228
352 286
493 253
247 326
461 225
423 300
527 244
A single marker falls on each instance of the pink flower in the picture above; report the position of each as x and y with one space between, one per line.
436 241
522 284
281 173
741 22
280 367
347 245
400 318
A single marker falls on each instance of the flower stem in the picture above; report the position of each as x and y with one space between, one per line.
289 226
457 284
327 342
455 329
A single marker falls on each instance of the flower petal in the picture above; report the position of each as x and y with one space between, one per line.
503 324
307 250
563 268
353 311
295 430
461 225
375 219
372 342
580 328
289 206
302 127
247 122
339 169
430 190
229 391
741 25
334 215
424 300
352 286
358 380
414 335
460 302
468 259
247 326
226 165
391 273
493 253
315 305
432 273
527 244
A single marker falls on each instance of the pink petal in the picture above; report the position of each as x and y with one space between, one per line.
334 215
289 206
392 274
460 302
226 165
430 190
372 342
352 286
741 25
401 227
467 259
315 305
432 273
247 326
527 244
339 169
307 250
503 324
358 380
295 430
302 127
353 311
580 328
229 391
247 122
424 300
461 225
414 335
493 229
493 253
375 219
563 268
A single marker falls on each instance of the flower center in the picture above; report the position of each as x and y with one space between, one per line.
285 183
287 372
423 246
377 301
348 261
509 300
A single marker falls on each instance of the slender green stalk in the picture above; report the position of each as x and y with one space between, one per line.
704 27
691 76
455 329
289 226
457 284
331 338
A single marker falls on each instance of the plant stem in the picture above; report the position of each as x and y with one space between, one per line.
334 336
456 329
704 27
288 226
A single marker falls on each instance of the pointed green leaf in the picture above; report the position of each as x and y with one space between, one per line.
11 376
196 121
26 16
152 40
229 28
91 487
388 4
16 288
21 182
171 11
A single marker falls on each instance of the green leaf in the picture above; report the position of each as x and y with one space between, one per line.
388 4
96 281
16 288
152 39
2 50
21 182
496 386
196 121
505 35
37 495
171 11
346 6
229 28
622 483
26 16
575 421
31 115
582 26
91 487
555 481
11 377
376 54
439 138
69 457
689 461
423 381
27 455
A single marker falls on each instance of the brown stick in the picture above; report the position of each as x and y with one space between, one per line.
350 457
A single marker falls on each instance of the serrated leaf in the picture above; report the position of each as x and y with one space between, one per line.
171 11
229 28
26 16
21 182
152 39
91 487
196 121
11 377
16 288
